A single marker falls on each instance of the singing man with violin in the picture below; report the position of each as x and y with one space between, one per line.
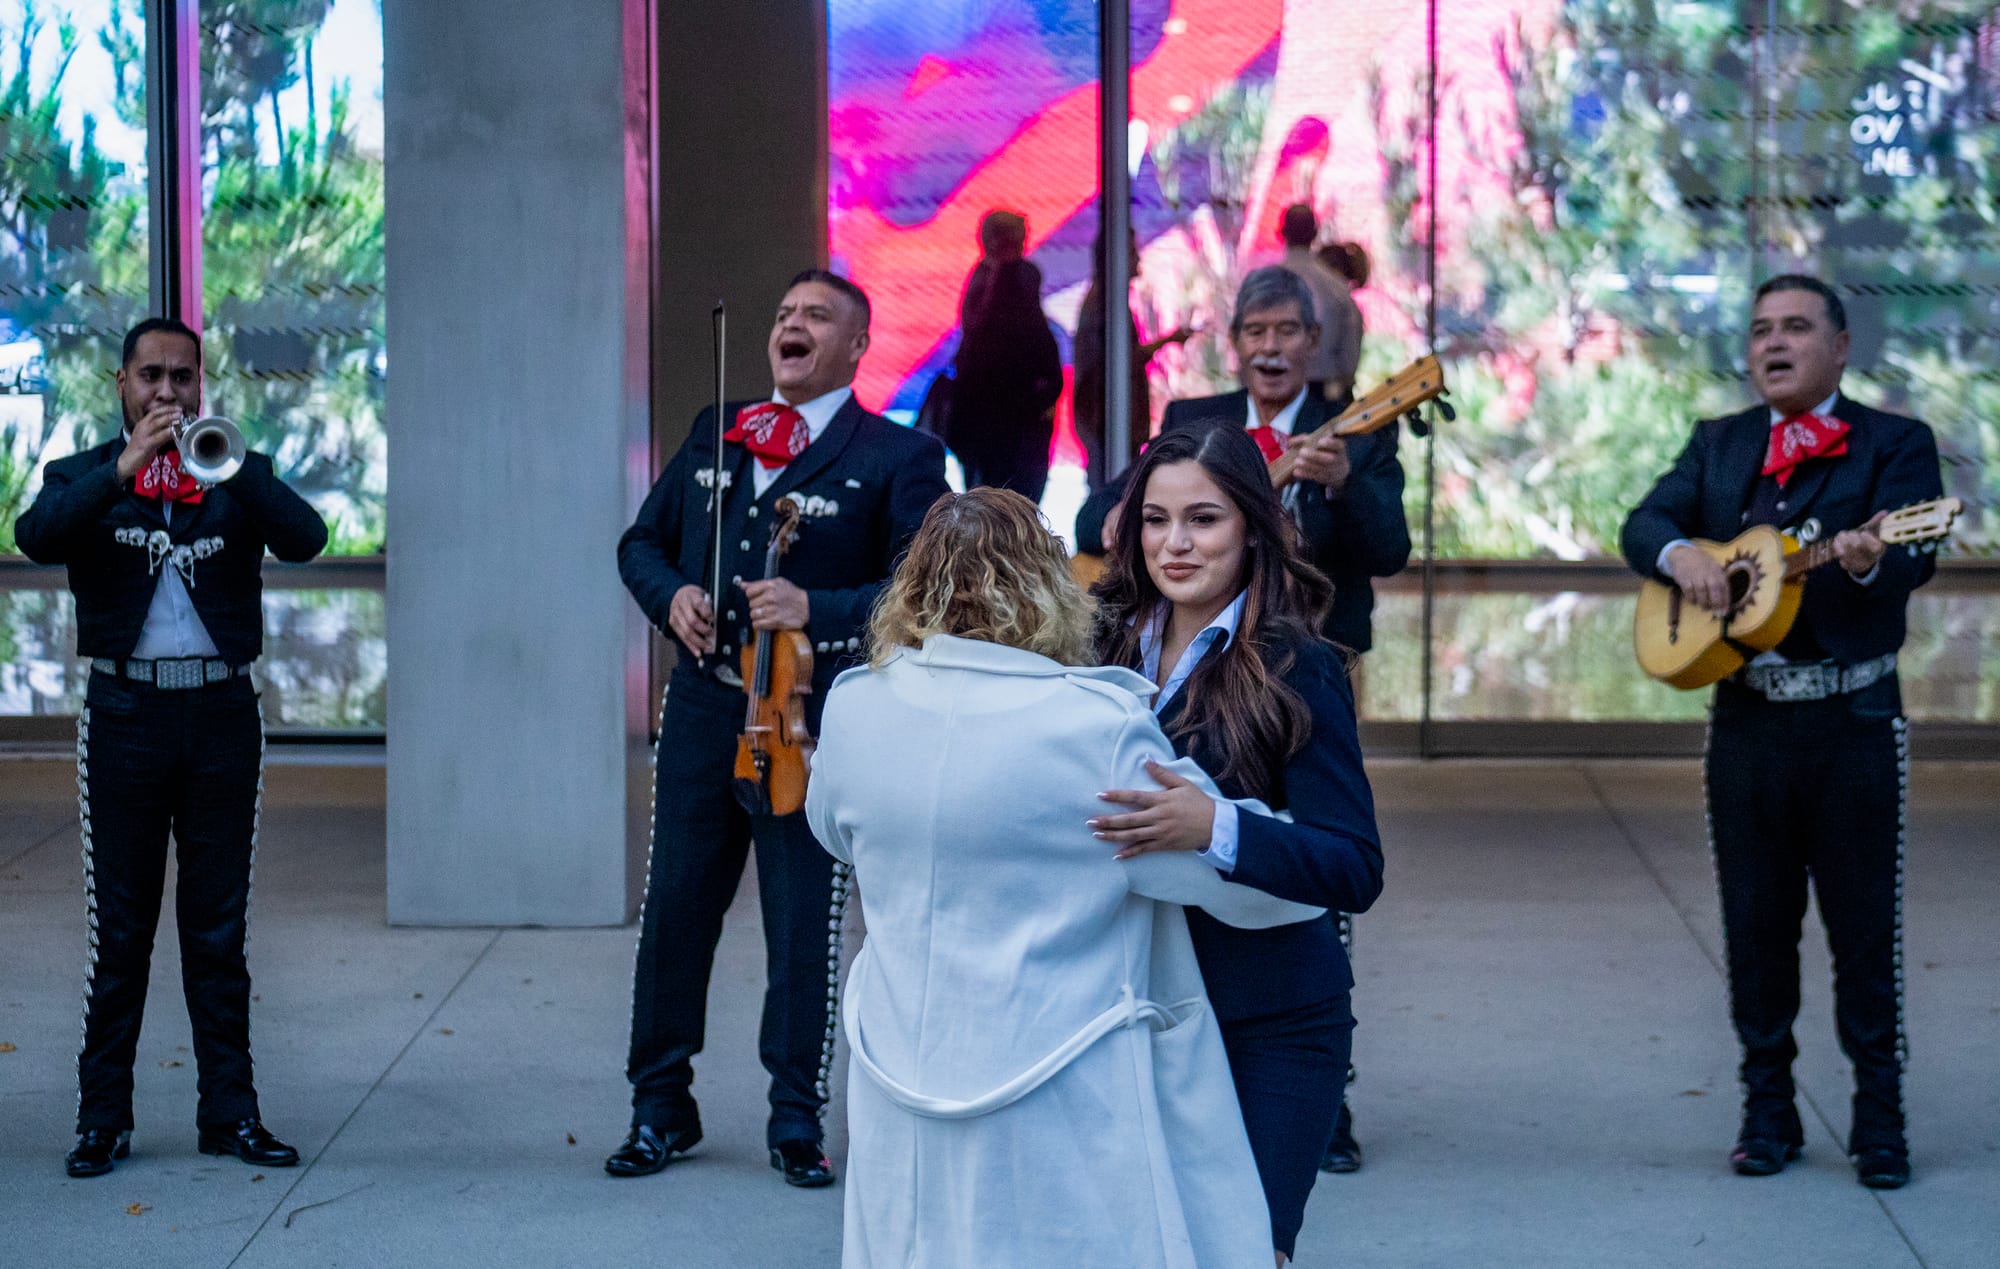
1808 752
167 570
857 486
1346 494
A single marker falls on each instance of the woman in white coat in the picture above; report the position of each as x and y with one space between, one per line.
1036 1078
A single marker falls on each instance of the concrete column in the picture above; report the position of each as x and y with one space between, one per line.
519 148
742 199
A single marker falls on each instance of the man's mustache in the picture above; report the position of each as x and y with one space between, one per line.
1275 364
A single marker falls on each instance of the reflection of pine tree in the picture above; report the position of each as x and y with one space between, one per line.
1597 307
59 198
292 263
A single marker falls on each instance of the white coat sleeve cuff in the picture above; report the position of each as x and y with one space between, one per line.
1868 578
1222 838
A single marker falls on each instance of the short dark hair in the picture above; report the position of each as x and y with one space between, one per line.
168 325
1299 226
827 278
1270 287
1836 312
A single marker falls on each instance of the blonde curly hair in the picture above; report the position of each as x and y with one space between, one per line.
985 566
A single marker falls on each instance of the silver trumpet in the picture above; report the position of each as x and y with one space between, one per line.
211 447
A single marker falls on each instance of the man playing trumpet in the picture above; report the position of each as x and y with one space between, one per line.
167 573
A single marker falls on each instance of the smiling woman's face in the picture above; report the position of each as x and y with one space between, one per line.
816 342
1193 537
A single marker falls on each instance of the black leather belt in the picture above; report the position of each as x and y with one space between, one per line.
174 674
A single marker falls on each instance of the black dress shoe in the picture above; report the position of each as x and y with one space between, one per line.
803 1162
648 1149
1762 1156
249 1141
1883 1168
95 1150
1343 1153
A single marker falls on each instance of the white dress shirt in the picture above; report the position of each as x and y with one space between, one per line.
172 628
817 413
1285 421
1222 839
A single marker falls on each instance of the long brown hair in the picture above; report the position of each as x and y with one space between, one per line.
1237 696
984 566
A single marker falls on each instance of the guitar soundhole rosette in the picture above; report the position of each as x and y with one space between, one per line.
1743 565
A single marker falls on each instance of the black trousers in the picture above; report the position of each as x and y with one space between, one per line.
149 765
701 840
1812 790
1288 1069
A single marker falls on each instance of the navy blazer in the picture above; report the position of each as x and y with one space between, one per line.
882 478
1352 536
88 519
1329 855
1891 462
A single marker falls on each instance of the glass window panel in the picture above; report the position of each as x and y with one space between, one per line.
1568 657
1880 177
324 664
292 257
73 226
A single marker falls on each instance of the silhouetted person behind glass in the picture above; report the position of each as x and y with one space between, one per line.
1008 371
1089 398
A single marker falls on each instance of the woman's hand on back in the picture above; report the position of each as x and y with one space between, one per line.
1176 816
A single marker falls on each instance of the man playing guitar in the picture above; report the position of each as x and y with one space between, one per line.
1808 752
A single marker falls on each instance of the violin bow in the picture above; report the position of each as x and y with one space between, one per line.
715 487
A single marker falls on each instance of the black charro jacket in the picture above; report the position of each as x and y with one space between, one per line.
864 485
1891 462
115 542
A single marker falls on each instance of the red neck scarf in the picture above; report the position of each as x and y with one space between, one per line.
773 431
1269 440
1800 437
163 478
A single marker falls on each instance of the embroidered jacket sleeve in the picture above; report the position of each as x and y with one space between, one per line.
916 482
73 497
289 526
1907 473
649 551
1359 531
1670 511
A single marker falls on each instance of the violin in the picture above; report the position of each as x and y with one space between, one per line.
774 753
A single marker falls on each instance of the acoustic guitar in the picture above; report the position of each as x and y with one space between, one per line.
1420 381
1687 646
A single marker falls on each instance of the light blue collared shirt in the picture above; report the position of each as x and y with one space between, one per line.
1223 837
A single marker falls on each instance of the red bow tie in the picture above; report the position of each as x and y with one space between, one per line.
1800 437
1269 440
773 431
163 478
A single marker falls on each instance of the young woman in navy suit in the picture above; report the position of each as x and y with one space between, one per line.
1207 594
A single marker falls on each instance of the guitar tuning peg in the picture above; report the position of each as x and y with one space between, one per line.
1417 425
1444 408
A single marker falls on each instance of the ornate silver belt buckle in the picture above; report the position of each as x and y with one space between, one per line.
1797 683
179 675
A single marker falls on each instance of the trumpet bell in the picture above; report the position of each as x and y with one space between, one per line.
212 449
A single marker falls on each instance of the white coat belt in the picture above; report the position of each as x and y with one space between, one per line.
1129 1012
